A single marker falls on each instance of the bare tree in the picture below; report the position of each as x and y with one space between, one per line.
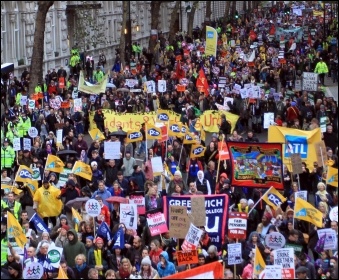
190 19
173 22
36 70
233 7
227 10
155 19
122 33
208 10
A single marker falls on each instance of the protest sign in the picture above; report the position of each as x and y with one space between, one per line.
178 221
190 257
93 207
129 215
33 132
59 136
33 270
192 238
323 124
54 255
23 100
234 253
297 248
63 177
321 153
36 173
272 272
27 144
112 150
237 224
150 85
297 166
31 104
157 166
162 85
285 258
75 93
16 144
198 211
331 242
77 104
301 194
139 201
268 119
334 214
275 240
131 82
157 223
310 81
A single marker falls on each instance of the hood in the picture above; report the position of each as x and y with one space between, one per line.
75 240
202 173
165 255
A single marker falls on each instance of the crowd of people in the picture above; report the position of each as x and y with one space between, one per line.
89 256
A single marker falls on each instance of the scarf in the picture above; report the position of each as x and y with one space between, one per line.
49 150
124 274
153 202
80 267
322 194
98 259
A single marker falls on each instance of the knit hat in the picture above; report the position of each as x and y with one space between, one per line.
94 163
250 201
99 239
214 135
268 216
66 227
63 217
293 103
178 173
146 261
223 175
90 238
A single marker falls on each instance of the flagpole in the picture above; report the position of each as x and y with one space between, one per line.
182 146
217 177
253 265
259 200
167 138
146 132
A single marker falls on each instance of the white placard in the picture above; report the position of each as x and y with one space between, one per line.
27 144
301 194
112 150
285 257
323 124
59 136
334 214
310 81
237 87
192 238
23 100
234 253
129 215
16 144
93 207
330 239
244 93
54 255
268 119
75 93
77 104
36 174
33 270
256 91
131 82
31 104
226 99
275 240
33 132
157 165
150 85
272 272
162 85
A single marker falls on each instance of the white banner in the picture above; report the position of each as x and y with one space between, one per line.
129 215
16 144
112 150
234 253
162 86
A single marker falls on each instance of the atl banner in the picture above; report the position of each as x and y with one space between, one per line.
257 165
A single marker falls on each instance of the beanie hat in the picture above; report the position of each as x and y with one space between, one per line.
223 175
146 261
90 238
250 201
66 227
268 216
293 103
178 173
99 239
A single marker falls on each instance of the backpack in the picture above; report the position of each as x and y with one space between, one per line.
197 112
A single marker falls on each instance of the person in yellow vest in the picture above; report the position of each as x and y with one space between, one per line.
12 133
24 124
4 241
243 206
38 88
7 157
13 205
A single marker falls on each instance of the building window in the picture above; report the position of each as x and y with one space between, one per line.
3 33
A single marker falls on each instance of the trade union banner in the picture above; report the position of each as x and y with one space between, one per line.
216 213
295 141
257 165
132 121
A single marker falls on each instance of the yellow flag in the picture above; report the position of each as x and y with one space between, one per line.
307 212
189 139
153 132
163 116
174 129
96 134
202 134
259 263
332 176
133 136
184 130
77 218
92 89
15 230
24 174
197 151
32 185
55 164
83 170
274 198
62 274
9 188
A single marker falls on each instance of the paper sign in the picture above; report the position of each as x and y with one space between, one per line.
157 223
243 93
237 225
323 124
27 144
198 210
226 100
268 120
285 258
33 132
187 257
334 214
139 200
330 238
112 150
162 85
192 238
234 253
131 82
63 177
65 104
54 255
36 174
93 207
16 144
310 81
181 88
33 270
150 85
129 215
178 221
75 93
157 165
301 194
321 152
59 136
23 100
77 104
275 240
272 272
31 104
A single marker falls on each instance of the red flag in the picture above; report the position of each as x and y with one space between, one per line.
309 41
179 71
202 83
272 30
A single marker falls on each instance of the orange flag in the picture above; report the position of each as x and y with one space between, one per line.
202 83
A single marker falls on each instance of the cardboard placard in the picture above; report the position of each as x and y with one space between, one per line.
178 221
181 88
198 210
296 164
187 257
157 166
112 150
65 104
234 253
237 225
321 152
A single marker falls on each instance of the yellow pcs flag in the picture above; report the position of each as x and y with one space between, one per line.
332 176
197 151
273 198
133 136
184 129
307 212
24 174
77 218
259 263
174 129
61 274
55 164
32 185
163 116
15 230
83 170
9 188
96 134
189 139
153 132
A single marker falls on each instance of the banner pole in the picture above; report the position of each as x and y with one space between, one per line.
254 260
259 200
217 177
167 139
146 157
182 146
235 266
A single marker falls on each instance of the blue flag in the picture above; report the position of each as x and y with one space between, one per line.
39 223
104 232
119 239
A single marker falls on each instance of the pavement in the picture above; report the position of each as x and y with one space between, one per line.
331 89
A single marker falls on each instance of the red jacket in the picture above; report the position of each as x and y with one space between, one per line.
292 113
105 212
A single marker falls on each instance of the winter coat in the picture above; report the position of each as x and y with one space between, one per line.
73 248
168 269
140 179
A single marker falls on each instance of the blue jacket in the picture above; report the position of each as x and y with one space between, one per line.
140 179
169 268
104 195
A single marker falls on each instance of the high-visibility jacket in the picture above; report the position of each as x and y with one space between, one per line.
11 134
24 126
7 157
240 210
98 76
38 89
3 205
18 98
16 208
4 248
321 68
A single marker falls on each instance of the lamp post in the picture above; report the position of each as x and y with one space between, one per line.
128 29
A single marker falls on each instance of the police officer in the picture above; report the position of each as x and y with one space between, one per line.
7 157
13 205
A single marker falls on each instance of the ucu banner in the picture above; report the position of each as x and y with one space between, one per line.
216 207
